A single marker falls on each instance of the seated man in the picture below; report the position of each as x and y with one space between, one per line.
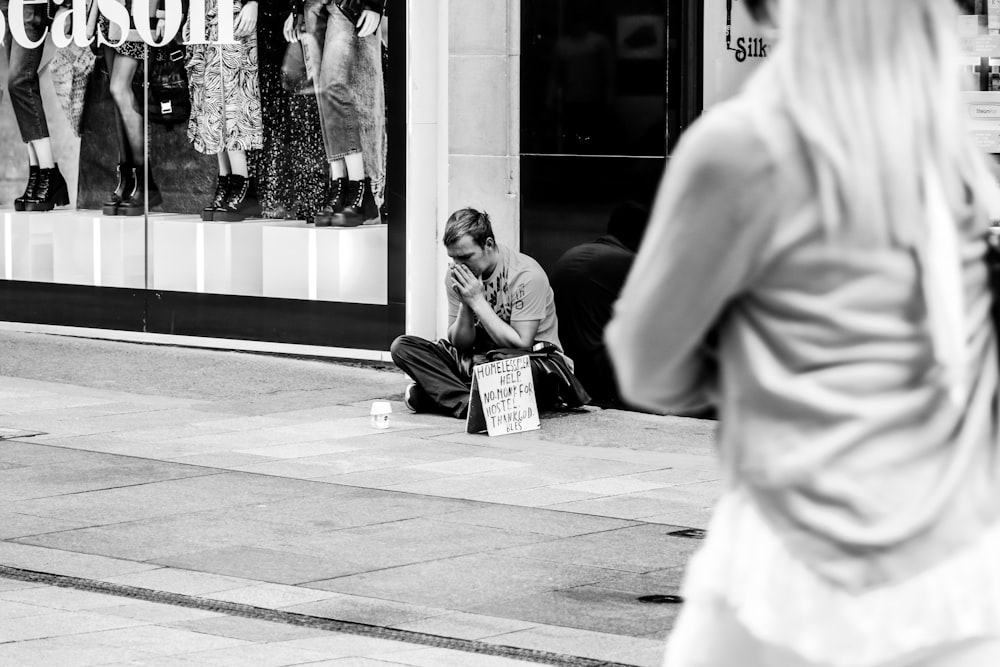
587 280
497 298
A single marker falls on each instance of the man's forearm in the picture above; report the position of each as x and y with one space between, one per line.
503 334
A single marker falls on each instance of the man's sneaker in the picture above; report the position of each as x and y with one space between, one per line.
409 396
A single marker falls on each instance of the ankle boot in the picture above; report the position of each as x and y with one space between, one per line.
241 203
334 203
144 195
218 199
50 191
126 183
359 205
29 189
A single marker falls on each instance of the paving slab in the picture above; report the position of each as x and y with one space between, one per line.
366 610
599 645
248 629
634 549
62 651
266 655
270 565
465 583
184 582
269 596
590 608
58 624
465 625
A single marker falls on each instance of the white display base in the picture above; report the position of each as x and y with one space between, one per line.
97 250
189 255
27 246
271 258
347 264
73 247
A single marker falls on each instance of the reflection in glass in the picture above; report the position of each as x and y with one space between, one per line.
595 80
594 116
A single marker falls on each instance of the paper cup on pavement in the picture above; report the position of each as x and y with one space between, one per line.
380 414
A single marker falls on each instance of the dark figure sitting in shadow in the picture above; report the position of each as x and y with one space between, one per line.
587 280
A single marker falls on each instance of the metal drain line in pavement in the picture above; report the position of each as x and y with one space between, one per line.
303 620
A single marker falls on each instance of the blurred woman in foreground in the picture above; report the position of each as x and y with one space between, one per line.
827 223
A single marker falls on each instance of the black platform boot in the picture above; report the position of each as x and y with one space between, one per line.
359 205
50 191
218 199
334 203
241 203
126 183
142 194
29 189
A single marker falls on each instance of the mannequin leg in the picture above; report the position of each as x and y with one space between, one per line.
42 148
355 163
122 70
221 195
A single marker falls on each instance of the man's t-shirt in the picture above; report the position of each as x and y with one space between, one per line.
518 290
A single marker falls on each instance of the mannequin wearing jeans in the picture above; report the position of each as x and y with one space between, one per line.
46 187
345 47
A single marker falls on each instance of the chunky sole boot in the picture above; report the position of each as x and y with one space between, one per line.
29 189
334 203
50 191
126 183
240 204
218 199
139 201
359 207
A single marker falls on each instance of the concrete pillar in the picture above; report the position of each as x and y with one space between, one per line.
484 107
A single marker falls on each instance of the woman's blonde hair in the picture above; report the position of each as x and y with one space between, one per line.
873 86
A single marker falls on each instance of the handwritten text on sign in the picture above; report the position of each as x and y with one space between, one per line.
508 395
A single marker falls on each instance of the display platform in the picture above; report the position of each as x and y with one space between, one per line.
264 258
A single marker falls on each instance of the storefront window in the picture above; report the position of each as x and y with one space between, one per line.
596 80
979 32
595 113
257 168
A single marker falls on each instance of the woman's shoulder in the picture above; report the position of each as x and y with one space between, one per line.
726 142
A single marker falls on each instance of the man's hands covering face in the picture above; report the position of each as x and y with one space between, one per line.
468 287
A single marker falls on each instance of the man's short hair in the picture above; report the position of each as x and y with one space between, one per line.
628 223
468 221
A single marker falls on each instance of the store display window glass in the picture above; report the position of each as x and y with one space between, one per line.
226 148
596 108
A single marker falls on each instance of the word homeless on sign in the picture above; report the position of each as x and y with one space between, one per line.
117 14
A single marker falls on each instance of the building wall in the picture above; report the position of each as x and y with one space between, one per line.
463 136
483 76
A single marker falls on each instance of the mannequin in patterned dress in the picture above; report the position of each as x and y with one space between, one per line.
225 109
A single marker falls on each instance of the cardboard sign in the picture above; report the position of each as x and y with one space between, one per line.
503 398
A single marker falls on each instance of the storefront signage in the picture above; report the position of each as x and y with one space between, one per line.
734 47
70 26
984 110
503 395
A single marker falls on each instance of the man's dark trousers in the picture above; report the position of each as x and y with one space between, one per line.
442 374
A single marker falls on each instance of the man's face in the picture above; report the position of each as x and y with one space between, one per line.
480 259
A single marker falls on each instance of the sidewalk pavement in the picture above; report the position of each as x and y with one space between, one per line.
188 506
